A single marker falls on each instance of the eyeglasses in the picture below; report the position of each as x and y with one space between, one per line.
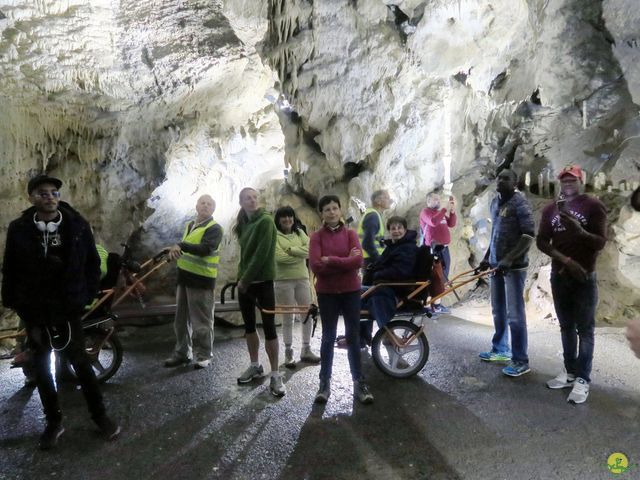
54 194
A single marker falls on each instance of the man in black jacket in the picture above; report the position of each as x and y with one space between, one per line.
51 270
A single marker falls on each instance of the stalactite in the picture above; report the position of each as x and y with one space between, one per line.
291 18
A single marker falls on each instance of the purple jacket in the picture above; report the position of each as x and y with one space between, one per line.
340 273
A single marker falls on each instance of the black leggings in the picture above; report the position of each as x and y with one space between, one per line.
262 292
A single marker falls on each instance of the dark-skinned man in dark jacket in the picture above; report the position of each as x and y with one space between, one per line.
51 270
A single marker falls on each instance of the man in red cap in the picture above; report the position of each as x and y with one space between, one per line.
572 232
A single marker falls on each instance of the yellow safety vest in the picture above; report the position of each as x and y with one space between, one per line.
203 266
378 237
104 255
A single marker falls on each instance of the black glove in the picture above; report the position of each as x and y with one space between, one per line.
484 265
503 266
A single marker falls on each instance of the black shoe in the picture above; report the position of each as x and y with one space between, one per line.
323 392
362 393
50 436
175 361
108 427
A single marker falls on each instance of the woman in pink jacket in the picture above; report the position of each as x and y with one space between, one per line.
335 257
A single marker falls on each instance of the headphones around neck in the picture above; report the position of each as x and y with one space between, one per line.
48 227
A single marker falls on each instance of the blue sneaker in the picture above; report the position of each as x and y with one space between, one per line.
438 309
515 369
495 357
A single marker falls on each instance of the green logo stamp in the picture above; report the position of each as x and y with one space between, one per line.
617 463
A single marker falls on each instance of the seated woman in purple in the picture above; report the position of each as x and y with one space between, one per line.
395 264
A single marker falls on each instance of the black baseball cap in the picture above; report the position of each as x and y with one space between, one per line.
38 180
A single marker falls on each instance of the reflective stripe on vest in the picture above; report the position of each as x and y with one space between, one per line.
203 266
378 238
104 255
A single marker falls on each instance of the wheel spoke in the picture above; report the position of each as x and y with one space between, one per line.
393 361
97 365
414 347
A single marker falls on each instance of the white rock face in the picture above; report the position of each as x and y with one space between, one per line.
134 104
622 22
437 94
140 107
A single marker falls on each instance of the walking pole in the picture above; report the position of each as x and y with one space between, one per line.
447 282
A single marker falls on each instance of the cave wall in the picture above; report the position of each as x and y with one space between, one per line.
142 106
440 94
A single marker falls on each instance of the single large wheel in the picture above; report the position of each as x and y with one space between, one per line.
104 351
404 361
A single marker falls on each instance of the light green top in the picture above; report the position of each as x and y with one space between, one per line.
291 251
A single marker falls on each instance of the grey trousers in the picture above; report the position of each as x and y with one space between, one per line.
294 292
193 323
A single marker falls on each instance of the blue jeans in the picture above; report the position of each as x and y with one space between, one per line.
331 306
507 306
381 305
575 304
445 256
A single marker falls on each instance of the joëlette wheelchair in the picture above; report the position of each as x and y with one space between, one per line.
124 278
400 348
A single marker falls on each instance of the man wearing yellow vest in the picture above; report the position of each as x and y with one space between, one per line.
371 235
197 257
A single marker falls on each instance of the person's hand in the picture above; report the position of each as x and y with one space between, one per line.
288 251
571 223
575 270
241 286
484 265
452 204
324 259
633 335
355 252
503 266
174 252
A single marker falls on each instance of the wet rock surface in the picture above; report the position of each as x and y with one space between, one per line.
459 418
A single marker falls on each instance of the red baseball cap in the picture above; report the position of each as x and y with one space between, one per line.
573 170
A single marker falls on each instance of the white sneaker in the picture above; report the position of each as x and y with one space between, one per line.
250 373
289 362
276 386
306 355
199 364
580 391
563 380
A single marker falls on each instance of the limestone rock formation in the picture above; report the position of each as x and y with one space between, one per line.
422 95
139 107
142 106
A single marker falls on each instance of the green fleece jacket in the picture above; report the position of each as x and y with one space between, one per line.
291 251
257 249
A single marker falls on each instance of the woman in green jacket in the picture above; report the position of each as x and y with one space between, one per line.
256 233
292 280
